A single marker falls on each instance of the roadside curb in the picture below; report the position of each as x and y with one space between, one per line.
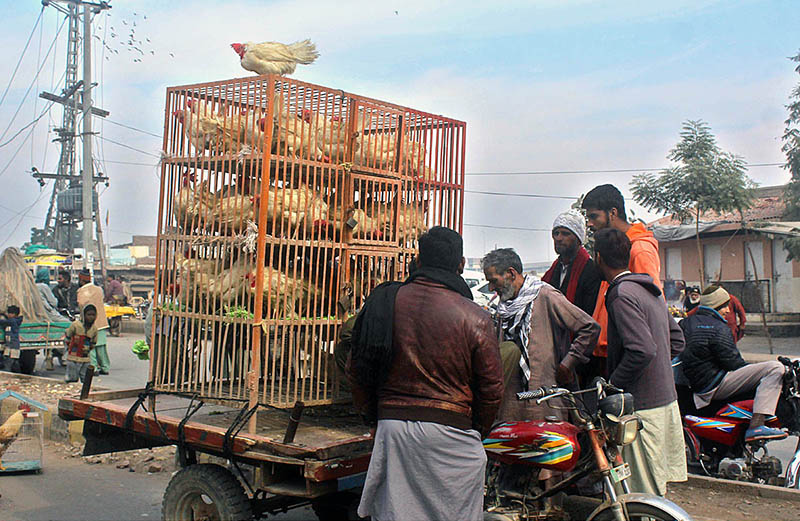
744 488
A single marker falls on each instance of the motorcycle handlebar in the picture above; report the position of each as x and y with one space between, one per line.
532 395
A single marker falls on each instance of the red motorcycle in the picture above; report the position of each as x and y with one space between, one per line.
586 450
715 434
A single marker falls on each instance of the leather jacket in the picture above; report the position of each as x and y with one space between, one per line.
446 364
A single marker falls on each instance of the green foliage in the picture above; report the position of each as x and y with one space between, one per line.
705 178
791 147
237 312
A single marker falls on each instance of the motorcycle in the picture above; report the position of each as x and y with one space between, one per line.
715 434
587 450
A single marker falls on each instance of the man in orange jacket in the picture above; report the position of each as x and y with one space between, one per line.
605 208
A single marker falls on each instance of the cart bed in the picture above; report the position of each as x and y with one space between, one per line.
331 442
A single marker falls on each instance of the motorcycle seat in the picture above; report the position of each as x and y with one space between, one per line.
686 402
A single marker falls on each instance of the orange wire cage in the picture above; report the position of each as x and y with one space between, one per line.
282 205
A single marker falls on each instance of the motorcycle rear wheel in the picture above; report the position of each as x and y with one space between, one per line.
638 512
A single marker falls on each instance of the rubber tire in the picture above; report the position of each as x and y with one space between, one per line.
340 506
211 480
27 361
638 509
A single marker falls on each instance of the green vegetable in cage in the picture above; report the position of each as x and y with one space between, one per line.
141 349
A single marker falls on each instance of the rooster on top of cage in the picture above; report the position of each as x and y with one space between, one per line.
275 57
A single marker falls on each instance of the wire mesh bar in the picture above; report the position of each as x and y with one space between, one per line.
282 205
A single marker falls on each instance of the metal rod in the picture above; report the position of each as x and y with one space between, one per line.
294 421
87 382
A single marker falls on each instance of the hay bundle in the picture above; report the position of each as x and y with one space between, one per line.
17 287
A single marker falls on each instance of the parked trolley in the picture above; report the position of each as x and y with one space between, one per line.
282 205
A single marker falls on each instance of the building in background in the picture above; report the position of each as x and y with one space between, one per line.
136 263
737 250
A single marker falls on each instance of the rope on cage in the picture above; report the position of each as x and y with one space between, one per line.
165 156
249 239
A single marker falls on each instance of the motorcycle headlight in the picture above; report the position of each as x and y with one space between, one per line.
623 430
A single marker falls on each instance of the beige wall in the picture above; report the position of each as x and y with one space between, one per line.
785 290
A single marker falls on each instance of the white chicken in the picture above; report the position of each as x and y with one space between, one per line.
331 136
294 209
287 296
193 204
207 130
274 57
293 135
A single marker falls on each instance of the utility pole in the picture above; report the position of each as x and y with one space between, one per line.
87 195
59 233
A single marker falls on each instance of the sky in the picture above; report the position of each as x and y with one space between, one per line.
544 86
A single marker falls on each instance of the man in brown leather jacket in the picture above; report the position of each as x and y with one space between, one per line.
434 389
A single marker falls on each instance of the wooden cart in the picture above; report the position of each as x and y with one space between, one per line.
290 461
282 205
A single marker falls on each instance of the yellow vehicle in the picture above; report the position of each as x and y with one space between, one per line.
115 314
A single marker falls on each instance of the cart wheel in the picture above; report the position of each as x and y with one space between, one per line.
205 491
27 361
341 506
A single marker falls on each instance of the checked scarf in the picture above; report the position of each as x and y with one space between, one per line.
515 321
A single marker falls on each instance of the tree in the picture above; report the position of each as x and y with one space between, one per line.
791 147
704 179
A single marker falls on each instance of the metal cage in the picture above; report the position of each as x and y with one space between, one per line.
22 450
282 205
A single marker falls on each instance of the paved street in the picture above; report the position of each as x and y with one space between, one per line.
127 371
68 489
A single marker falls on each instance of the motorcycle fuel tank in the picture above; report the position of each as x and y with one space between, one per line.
549 445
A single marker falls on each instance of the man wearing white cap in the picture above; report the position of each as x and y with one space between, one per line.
573 272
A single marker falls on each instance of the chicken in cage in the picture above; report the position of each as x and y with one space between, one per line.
283 204
21 433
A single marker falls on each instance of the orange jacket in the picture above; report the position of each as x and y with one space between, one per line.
644 259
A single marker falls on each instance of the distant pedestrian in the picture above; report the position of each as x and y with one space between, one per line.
11 321
115 292
92 294
424 363
643 338
692 299
736 318
66 293
80 338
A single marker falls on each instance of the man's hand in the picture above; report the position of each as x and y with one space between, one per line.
564 375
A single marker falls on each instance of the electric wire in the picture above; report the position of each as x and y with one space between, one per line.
548 230
134 128
22 55
608 171
25 96
129 147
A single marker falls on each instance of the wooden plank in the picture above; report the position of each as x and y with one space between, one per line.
336 468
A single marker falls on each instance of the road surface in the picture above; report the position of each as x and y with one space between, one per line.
68 489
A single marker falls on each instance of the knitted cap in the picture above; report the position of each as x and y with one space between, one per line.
714 297
572 221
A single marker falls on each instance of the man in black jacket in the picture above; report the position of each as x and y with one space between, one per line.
642 340
716 370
